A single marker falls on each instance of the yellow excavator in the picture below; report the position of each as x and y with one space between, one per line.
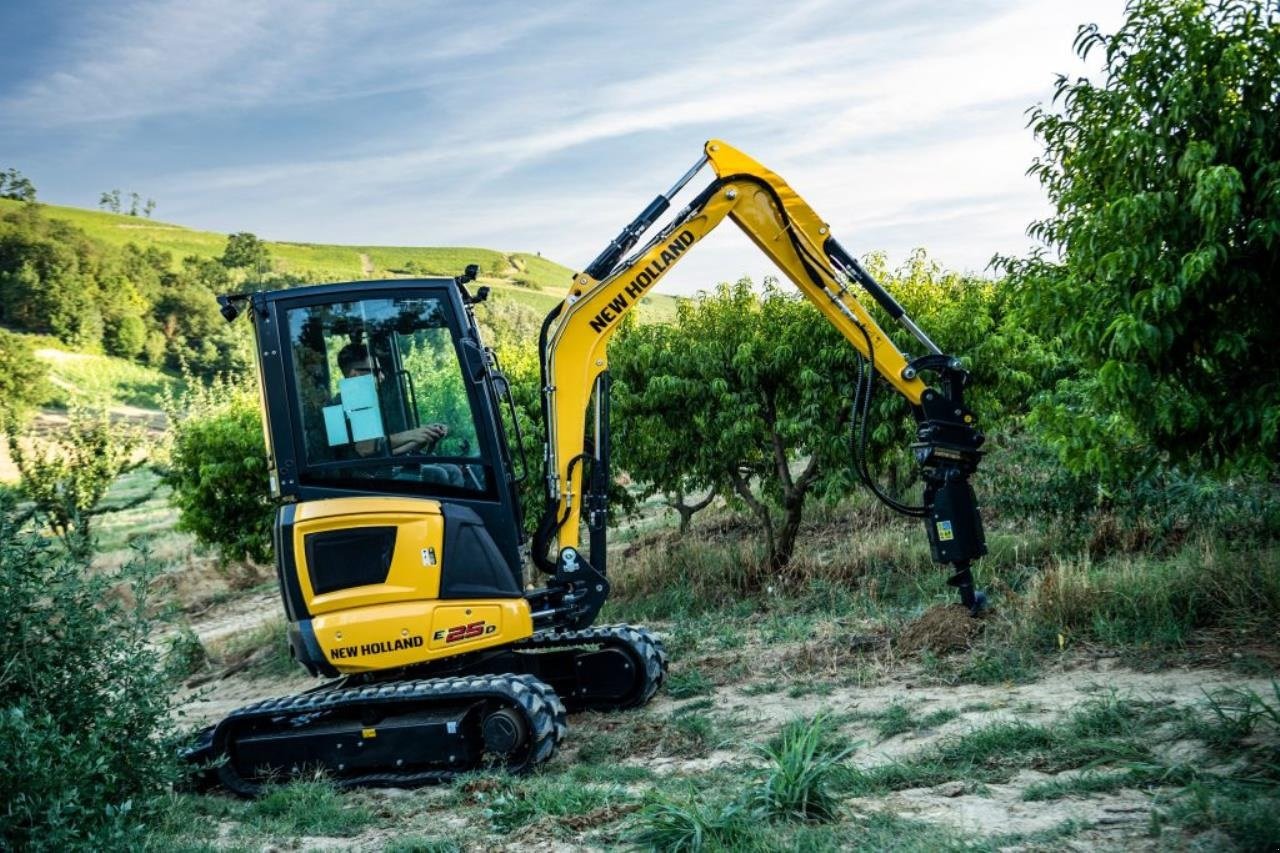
399 535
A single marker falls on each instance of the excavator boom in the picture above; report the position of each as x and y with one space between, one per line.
576 336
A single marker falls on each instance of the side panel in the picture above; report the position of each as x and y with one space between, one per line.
394 635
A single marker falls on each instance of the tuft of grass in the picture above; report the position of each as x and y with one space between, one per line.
684 683
690 825
264 648
516 802
802 762
1247 814
1154 601
304 808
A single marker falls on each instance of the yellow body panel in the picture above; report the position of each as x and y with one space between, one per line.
399 622
415 572
593 310
388 636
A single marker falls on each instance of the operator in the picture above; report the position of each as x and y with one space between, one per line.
355 360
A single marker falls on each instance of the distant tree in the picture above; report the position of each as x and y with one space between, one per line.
110 201
245 251
149 207
104 201
22 377
134 201
1160 261
14 185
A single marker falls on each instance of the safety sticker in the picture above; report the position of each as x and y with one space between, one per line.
944 531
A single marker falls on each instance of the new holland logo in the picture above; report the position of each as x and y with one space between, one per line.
642 281
378 648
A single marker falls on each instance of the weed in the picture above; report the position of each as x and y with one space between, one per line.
802 761
1247 814
690 825
522 801
684 683
895 720
762 688
304 808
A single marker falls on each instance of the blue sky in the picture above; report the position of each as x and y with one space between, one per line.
540 126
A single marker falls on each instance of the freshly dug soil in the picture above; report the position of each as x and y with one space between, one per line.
941 630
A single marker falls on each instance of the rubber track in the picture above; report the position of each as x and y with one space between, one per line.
645 650
544 715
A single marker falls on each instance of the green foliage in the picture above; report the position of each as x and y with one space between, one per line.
306 808
68 480
726 398
86 743
690 825
15 185
245 251
218 469
514 803
801 765
1156 274
23 377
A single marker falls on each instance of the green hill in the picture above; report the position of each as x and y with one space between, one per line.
524 277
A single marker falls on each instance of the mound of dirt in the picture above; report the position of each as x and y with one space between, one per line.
941 629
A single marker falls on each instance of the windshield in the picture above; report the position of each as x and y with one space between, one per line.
382 397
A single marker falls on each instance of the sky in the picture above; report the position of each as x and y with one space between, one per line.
541 127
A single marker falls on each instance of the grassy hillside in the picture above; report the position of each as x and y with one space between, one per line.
524 277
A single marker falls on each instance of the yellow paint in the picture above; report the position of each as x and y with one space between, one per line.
359 628
361 639
578 345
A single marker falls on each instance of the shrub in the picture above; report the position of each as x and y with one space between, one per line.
218 468
85 725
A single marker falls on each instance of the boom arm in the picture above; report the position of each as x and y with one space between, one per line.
576 335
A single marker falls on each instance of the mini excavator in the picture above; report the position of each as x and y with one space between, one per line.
399 532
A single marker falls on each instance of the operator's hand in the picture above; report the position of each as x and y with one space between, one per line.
424 437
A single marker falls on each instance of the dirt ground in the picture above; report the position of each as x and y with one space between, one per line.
755 685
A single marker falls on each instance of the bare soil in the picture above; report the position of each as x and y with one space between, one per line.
759 685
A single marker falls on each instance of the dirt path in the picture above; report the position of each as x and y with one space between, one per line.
366 265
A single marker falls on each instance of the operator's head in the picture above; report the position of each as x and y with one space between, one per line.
354 360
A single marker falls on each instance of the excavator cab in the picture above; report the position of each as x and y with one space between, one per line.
387 453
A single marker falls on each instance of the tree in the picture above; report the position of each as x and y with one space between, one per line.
23 377
1157 268
110 201
134 201
246 251
149 207
747 393
14 185
218 469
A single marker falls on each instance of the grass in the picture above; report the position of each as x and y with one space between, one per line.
304 808
801 764
683 683
1103 731
104 380
265 647
510 803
